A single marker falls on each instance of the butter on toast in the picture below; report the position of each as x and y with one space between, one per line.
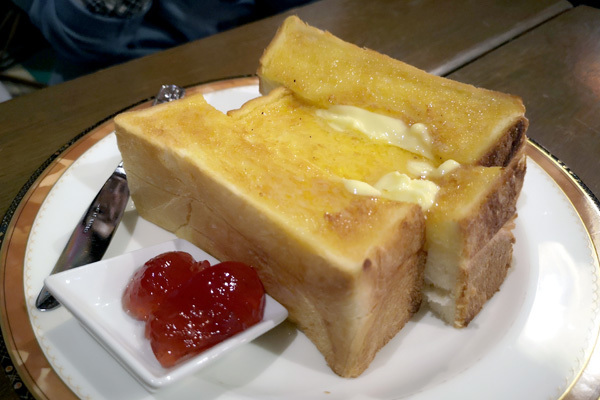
263 185
468 124
469 233
285 186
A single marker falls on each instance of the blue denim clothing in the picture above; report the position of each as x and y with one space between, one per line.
85 41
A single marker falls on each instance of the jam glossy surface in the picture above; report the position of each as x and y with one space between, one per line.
213 305
159 277
190 306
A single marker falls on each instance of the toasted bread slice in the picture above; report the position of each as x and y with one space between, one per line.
468 230
468 124
280 184
264 185
469 238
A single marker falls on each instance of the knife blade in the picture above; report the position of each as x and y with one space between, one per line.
95 229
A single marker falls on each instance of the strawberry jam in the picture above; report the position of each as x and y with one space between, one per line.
213 305
195 306
157 279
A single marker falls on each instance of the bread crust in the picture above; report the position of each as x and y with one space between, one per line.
481 276
511 143
476 260
499 207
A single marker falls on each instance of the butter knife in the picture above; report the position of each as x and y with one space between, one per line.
93 233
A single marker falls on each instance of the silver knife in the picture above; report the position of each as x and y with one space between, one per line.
93 233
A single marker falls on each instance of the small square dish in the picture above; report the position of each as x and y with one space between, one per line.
92 293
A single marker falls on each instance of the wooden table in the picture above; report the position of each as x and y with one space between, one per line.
555 68
544 51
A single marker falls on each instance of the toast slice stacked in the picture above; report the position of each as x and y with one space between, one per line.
346 230
469 239
469 125
262 185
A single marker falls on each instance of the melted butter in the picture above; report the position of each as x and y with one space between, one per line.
420 168
415 138
446 167
399 187
361 188
425 169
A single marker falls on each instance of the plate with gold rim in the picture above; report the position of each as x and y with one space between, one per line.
535 339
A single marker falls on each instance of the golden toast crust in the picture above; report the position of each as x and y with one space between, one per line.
498 208
509 145
481 276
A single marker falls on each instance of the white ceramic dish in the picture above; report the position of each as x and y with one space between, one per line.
530 342
92 293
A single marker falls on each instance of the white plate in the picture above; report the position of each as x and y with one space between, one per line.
93 293
530 342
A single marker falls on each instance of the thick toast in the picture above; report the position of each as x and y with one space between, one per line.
246 187
468 230
279 185
265 185
468 124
